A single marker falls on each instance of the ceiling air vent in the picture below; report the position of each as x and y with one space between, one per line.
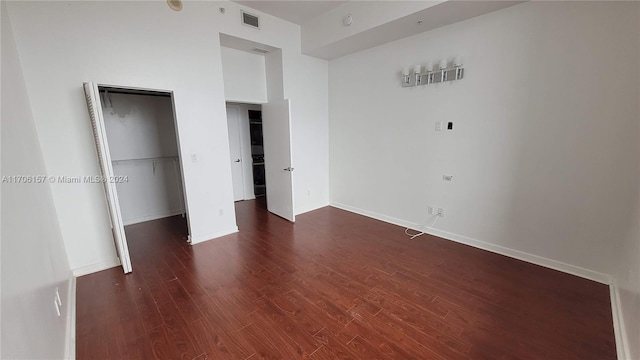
250 20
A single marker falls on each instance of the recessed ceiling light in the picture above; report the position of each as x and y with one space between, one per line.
175 4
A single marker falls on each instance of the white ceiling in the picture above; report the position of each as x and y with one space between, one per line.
298 12
383 26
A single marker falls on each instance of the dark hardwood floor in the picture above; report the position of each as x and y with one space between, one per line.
333 286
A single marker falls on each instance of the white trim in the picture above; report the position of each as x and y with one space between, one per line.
70 337
211 236
245 101
90 269
153 217
622 342
516 254
312 208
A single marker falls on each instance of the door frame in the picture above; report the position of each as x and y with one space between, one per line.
245 142
142 90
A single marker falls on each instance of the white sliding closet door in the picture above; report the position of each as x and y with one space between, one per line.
104 159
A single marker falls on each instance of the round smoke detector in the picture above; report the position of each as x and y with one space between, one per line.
175 4
347 20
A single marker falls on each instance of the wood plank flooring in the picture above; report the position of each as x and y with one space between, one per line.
335 285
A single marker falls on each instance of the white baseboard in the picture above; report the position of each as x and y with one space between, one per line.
516 254
89 269
152 217
70 336
312 208
206 237
622 342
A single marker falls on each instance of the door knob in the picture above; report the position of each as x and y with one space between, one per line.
238 160
288 169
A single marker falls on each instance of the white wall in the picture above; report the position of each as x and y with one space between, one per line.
308 93
544 150
145 44
143 147
244 76
33 261
139 126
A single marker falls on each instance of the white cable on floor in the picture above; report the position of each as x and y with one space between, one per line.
413 236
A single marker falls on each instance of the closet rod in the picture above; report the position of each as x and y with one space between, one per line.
148 159
133 92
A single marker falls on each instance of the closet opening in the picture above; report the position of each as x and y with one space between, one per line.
138 147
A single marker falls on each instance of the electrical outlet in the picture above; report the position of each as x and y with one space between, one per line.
447 177
194 157
441 212
438 125
430 210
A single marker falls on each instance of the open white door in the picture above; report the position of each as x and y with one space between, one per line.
235 152
276 133
104 158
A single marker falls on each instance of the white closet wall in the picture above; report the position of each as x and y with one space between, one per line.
143 147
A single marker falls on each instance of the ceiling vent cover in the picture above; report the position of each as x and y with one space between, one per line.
251 20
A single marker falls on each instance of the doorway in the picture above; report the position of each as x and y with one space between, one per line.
260 155
139 156
253 74
244 124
